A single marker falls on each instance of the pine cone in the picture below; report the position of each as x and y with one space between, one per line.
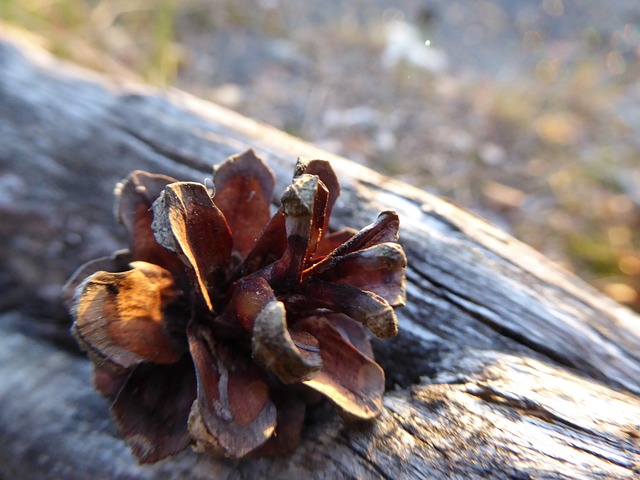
219 320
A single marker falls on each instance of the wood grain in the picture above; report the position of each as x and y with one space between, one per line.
506 366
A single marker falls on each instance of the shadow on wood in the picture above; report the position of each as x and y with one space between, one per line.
505 367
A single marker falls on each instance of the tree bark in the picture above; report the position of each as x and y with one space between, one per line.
505 366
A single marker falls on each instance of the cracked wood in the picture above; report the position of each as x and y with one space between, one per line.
505 367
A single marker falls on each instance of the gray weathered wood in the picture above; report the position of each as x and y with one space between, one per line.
493 328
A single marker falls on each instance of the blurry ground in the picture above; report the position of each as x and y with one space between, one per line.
525 111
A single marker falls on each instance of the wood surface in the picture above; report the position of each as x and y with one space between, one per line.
506 366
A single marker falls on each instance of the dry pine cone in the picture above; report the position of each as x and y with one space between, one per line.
218 322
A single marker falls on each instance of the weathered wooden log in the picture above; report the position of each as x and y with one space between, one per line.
505 366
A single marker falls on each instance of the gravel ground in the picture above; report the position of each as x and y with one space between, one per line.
527 112
524 111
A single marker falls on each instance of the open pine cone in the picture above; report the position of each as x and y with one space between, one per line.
220 320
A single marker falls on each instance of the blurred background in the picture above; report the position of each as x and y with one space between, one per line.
526 112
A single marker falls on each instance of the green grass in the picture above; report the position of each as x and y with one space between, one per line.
564 145
112 35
